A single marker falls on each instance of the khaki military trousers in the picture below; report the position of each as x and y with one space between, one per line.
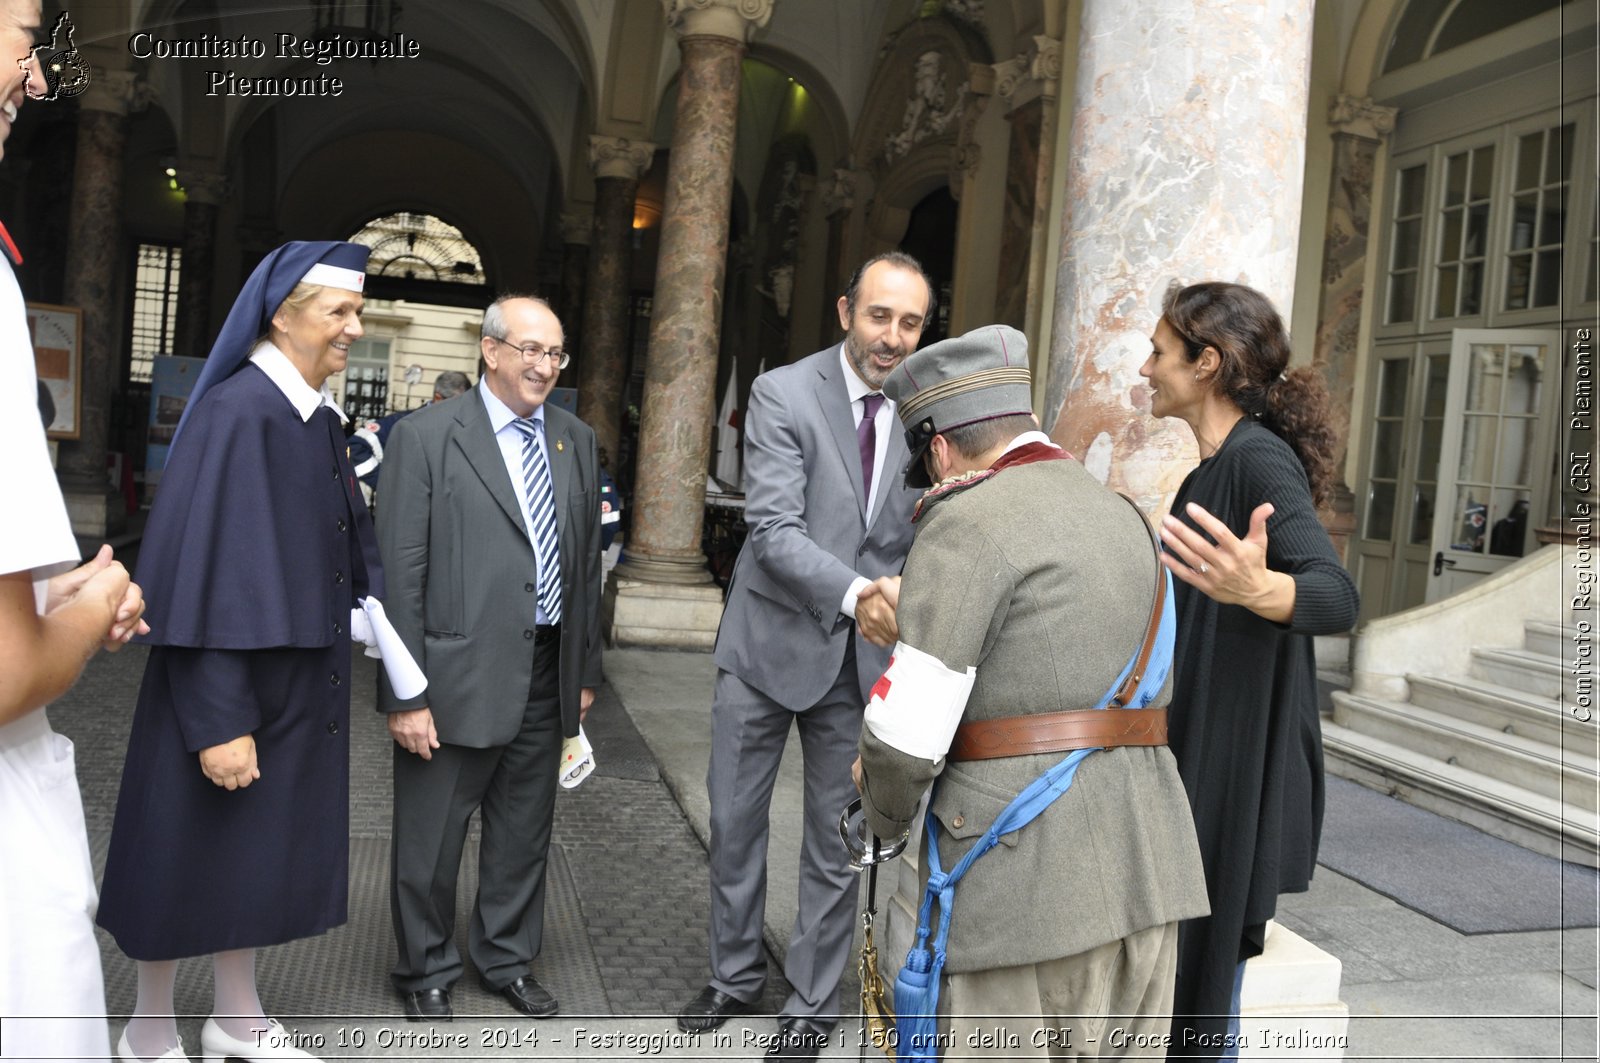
1111 1002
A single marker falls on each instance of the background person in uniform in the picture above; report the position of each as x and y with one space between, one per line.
491 521
1028 570
231 828
51 622
1258 578
368 441
827 514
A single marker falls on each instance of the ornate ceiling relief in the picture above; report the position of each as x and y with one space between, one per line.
932 107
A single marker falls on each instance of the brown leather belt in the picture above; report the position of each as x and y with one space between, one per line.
1056 732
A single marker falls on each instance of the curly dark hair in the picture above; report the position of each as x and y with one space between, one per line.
1240 324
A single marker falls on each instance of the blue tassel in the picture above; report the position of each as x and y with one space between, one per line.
916 999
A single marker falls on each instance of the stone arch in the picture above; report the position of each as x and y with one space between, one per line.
499 220
910 124
1369 44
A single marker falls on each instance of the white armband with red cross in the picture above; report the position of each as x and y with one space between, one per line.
916 705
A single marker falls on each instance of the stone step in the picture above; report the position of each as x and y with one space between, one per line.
1501 708
1289 1005
1535 673
1549 638
1534 821
1565 773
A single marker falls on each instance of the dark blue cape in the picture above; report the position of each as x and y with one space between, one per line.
245 540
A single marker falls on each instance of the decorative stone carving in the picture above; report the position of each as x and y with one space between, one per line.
1009 75
203 186
965 10
781 281
965 158
1039 69
930 111
789 197
734 19
619 156
1360 116
577 228
840 195
1046 65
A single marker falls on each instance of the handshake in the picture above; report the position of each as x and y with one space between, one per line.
875 607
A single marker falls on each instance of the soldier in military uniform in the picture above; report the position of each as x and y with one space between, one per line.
1030 590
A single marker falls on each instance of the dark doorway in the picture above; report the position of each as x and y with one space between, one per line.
930 239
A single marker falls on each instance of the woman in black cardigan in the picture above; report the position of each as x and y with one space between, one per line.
1257 578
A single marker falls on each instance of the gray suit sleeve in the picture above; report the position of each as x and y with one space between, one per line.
776 470
403 544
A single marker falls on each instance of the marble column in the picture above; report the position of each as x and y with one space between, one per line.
577 229
204 191
1359 128
95 282
664 595
1187 150
603 369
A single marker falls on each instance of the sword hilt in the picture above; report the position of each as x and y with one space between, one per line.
865 848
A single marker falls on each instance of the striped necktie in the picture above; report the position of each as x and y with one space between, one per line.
541 518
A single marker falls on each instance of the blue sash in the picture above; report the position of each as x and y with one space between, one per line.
916 987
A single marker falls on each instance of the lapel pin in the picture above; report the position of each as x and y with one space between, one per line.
560 445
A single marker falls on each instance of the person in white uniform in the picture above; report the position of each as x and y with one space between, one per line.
54 615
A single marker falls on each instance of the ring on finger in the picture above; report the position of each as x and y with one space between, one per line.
1203 568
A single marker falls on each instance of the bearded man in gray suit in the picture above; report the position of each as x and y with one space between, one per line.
828 514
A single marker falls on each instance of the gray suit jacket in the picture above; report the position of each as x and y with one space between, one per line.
462 594
809 536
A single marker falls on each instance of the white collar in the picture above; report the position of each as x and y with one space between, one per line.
500 414
1032 436
854 386
305 399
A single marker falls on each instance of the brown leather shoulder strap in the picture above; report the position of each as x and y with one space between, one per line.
1136 675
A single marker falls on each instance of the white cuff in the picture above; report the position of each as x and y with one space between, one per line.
916 705
857 585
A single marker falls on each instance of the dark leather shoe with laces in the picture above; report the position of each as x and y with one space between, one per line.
799 1039
529 997
429 1004
710 1009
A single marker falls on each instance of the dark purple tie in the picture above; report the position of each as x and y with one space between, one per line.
867 438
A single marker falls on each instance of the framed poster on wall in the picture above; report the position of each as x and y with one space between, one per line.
57 333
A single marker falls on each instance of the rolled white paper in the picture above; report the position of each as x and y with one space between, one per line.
369 625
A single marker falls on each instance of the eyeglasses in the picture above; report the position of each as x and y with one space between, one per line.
533 354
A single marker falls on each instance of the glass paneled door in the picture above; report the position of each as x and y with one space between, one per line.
1494 467
1401 469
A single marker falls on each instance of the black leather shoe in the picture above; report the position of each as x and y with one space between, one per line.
799 1039
710 1009
529 997
429 1005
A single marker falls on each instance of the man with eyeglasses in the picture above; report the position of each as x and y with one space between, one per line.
491 523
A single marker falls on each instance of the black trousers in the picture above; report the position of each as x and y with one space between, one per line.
515 786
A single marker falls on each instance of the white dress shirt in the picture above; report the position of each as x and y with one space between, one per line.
883 423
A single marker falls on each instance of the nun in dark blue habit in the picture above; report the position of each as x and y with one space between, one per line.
232 827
